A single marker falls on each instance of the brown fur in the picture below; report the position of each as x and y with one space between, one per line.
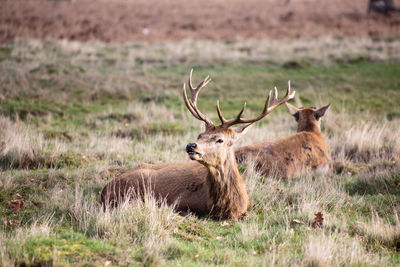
187 184
294 155
211 185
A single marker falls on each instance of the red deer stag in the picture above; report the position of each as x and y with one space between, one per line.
294 155
209 185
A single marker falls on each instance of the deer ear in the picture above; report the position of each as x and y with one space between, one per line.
321 111
292 109
242 129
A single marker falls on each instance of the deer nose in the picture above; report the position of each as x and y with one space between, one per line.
190 147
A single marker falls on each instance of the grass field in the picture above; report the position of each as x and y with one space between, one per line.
75 115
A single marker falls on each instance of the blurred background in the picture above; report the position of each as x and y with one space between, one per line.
122 21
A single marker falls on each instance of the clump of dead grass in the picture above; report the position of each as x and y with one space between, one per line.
149 224
12 245
366 142
22 147
336 250
380 230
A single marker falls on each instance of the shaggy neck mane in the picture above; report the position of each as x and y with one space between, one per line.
227 189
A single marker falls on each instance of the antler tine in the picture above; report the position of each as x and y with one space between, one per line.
274 96
268 108
195 91
238 119
192 103
189 104
223 120
221 117
275 102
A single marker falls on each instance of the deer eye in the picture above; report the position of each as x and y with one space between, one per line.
220 141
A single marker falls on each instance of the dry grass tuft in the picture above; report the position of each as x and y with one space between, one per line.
336 250
13 246
380 230
148 224
21 147
365 142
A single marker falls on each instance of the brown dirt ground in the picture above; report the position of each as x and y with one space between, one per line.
121 21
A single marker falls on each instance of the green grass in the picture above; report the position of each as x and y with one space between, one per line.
363 87
360 86
74 119
66 248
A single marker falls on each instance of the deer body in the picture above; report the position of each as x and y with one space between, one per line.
186 188
209 185
294 155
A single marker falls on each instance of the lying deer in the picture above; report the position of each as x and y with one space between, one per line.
294 155
209 185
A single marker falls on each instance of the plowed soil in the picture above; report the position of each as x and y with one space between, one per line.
119 21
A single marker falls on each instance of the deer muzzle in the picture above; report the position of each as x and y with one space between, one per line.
191 150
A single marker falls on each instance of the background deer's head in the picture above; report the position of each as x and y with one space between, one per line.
308 119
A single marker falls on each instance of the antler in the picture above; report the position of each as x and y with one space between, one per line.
192 103
268 108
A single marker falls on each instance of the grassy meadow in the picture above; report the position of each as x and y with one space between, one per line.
75 115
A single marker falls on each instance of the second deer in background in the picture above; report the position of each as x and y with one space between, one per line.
294 155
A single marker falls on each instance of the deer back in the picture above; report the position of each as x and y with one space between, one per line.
294 155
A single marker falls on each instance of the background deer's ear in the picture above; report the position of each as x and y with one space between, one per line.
321 111
292 109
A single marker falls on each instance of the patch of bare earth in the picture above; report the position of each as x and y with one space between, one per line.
150 20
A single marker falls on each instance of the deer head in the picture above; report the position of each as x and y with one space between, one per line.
213 147
308 119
